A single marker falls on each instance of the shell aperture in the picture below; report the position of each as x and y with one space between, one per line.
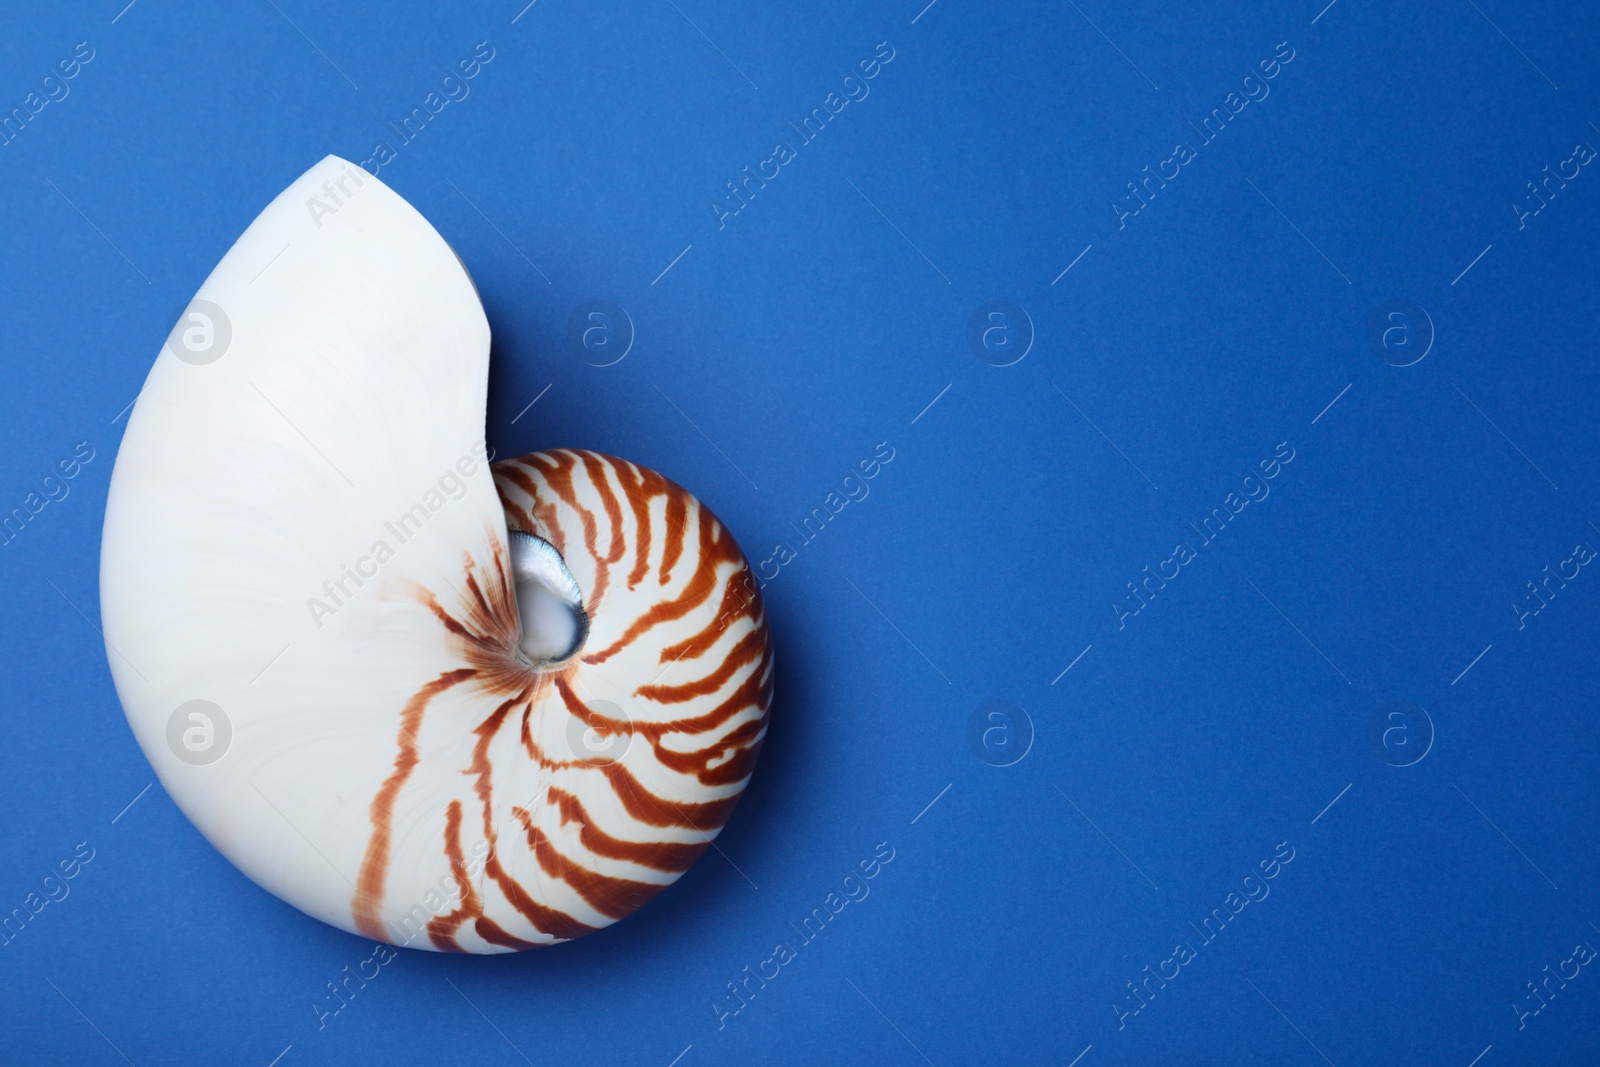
550 608
444 705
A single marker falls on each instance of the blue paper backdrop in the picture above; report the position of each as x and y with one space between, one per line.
1345 681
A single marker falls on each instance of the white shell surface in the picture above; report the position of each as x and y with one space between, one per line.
352 381
308 612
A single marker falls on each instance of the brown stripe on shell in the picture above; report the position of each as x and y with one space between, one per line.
677 525
612 897
703 734
557 469
636 487
543 918
712 552
733 602
745 738
659 811
375 864
669 856
750 647
596 470
541 508
442 929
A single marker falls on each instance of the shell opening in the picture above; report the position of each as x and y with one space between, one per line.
552 623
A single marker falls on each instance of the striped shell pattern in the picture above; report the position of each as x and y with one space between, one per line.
427 700
582 791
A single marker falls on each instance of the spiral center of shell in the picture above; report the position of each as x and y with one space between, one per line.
552 623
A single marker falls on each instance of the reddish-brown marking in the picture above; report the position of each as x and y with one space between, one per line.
375 865
442 930
695 593
545 919
611 897
754 691
546 521
538 491
670 856
517 516
491 932
733 607
657 811
595 467
751 646
677 524
557 468
756 687
634 488
488 631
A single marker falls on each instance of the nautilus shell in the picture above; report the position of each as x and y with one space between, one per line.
427 701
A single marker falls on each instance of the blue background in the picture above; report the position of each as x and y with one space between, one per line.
1185 744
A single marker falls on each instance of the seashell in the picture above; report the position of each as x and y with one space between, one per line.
421 700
